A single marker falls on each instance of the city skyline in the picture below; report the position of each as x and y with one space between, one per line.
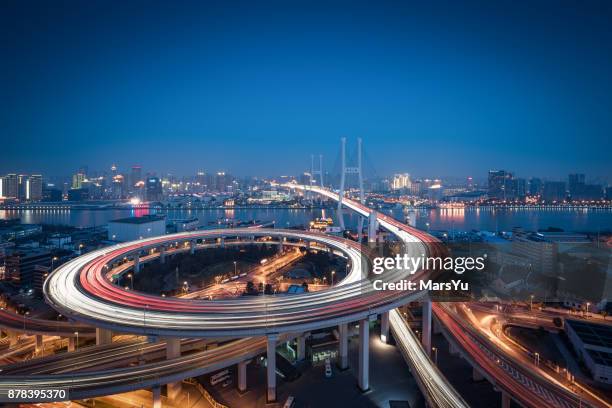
501 87
480 178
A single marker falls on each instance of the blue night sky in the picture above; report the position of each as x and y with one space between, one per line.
449 88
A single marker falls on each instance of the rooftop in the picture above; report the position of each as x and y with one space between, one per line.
138 220
593 334
600 357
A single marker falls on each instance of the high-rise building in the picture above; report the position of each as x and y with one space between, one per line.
535 186
576 183
401 181
579 190
554 191
77 180
34 186
22 187
118 186
520 187
11 187
154 189
201 182
222 182
501 186
135 177
470 183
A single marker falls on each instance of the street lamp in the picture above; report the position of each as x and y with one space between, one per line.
53 262
536 359
76 333
435 351
235 270
531 302
587 309
131 280
332 277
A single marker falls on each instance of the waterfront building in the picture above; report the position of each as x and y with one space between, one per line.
501 185
535 186
554 191
153 189
133 228
77 180
34 187
579 190
401 181
11 186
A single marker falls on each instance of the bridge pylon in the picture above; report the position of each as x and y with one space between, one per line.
358 169
316 171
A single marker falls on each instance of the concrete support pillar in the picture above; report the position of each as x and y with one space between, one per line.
384 327
136 263
103 336
426 338
222 242
71 344
372 227
301 347
192 247
271 367
173 350
477 375
162 254
39 343
280 248
242 375
157 401
363 379
452 350
506 400
343 346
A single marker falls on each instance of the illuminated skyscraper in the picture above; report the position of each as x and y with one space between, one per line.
501 186
34 188
135 177
154 189
401 181
77 180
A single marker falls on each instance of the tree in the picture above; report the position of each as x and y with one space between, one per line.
305 286
250 288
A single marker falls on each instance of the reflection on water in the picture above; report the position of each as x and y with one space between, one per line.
438 219
496 219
